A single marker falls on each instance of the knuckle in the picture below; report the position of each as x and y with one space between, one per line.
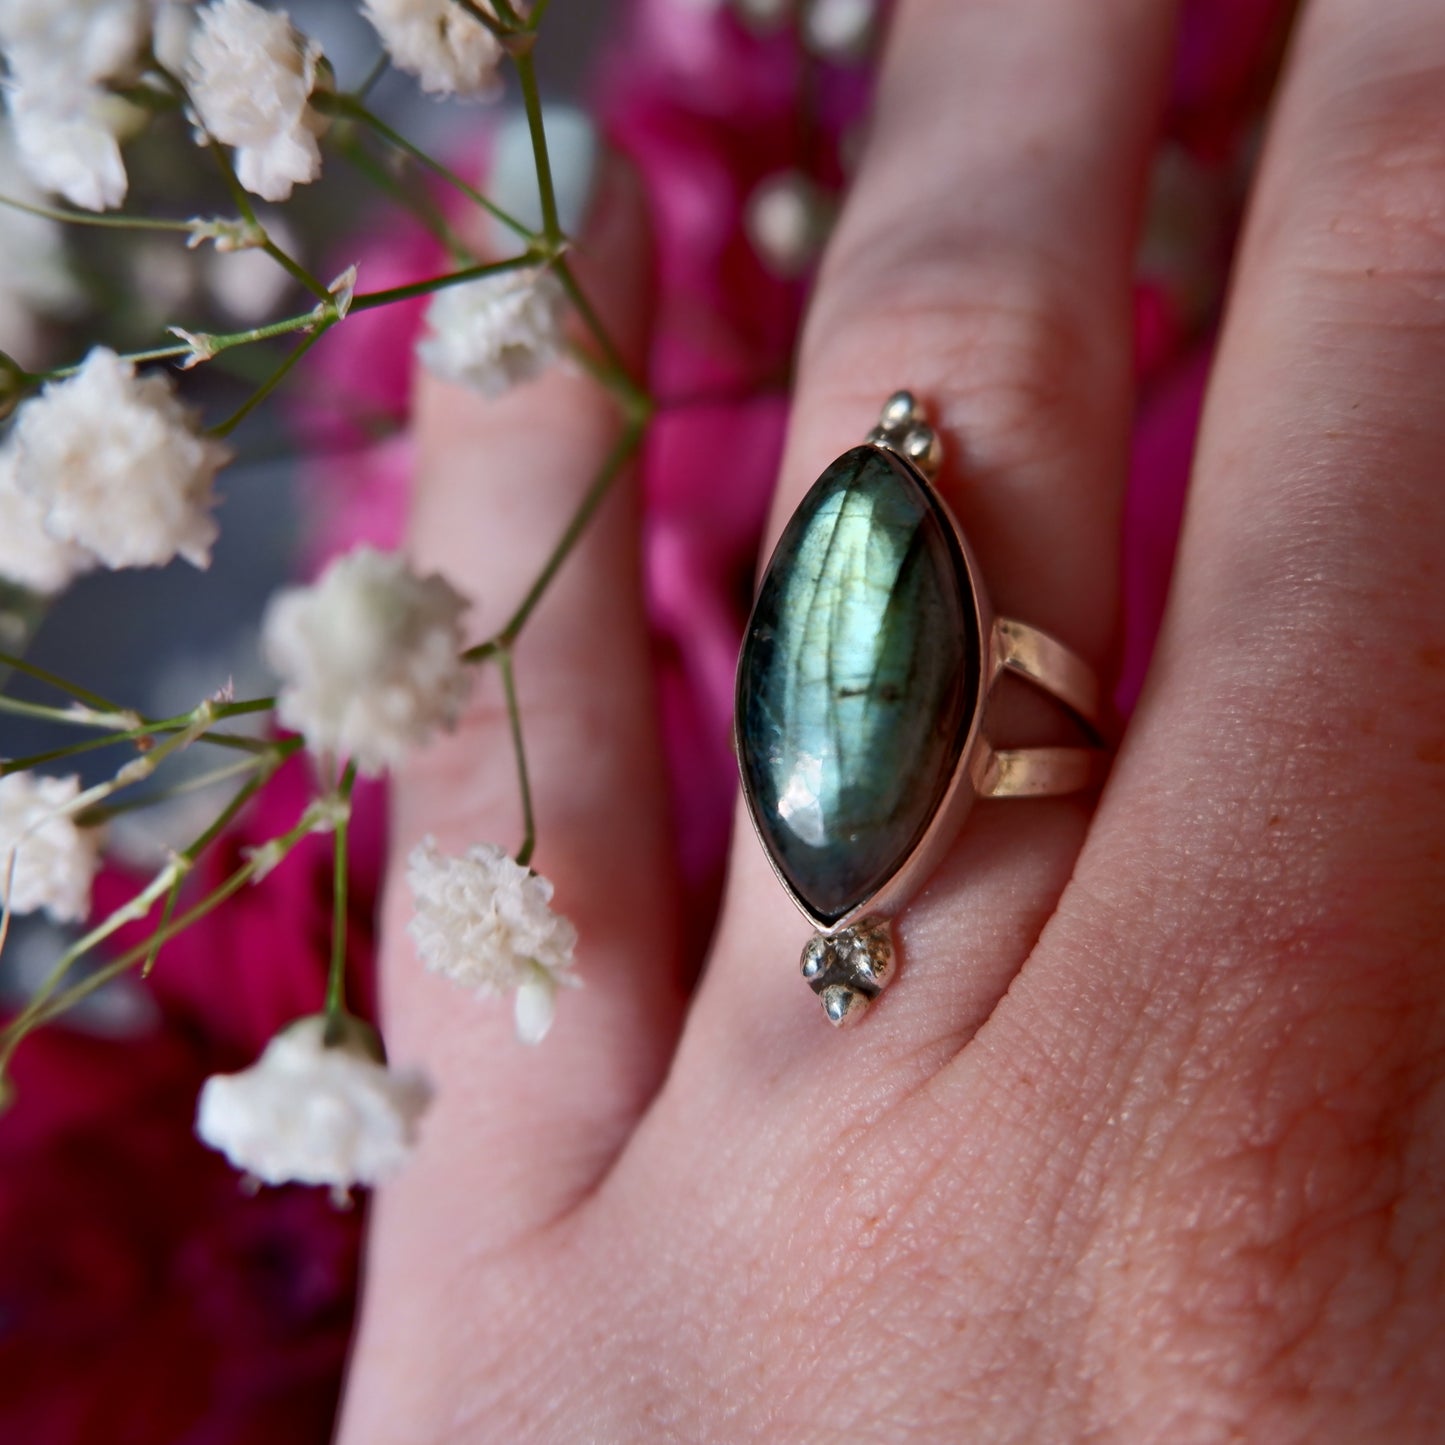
1376 229
1009 349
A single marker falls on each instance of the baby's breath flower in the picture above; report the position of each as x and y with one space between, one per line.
171 32
118 465
89 41
448 51
486 922
60 58
310 1112
369 658
496 331
46 860
66 139
29 555
251 74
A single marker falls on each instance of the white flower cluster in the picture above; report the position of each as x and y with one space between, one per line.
251 75
449 51
495 332
105 466
486 922
62 59
29 555
46 860
369 658
312 1112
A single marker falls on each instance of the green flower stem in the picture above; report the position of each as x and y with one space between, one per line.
124 725
350 106
336 977
263 768
222 342
524 781
607 474
140 905
499 647
379 67
41 1005
532 101
168 910
621 381
225 428
51 679
613 374
311 320
296 270
372 299
269 762
18 708
534 20
484 18
148 97
47 1010
54 755
87 218
239 194
142 766
242 201
418 204
52 1008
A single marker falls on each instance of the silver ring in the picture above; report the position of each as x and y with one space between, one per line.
865 671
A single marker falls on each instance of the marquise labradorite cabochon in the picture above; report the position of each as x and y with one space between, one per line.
858 681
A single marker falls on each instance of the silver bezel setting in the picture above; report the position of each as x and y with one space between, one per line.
958 797
860 965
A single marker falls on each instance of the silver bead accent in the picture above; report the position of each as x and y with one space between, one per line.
850 968
900 412
843 1006
903 428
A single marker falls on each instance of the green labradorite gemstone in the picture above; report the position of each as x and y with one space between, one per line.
858 681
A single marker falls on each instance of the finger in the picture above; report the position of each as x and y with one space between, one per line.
1270 850
515 1132
983 261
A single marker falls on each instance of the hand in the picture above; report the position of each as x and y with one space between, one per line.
1146 1143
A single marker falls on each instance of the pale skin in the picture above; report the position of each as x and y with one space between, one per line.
1147 1140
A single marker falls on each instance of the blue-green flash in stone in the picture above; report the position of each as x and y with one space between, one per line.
858 682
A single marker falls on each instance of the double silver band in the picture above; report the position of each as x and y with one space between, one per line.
1013 647
1066 677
